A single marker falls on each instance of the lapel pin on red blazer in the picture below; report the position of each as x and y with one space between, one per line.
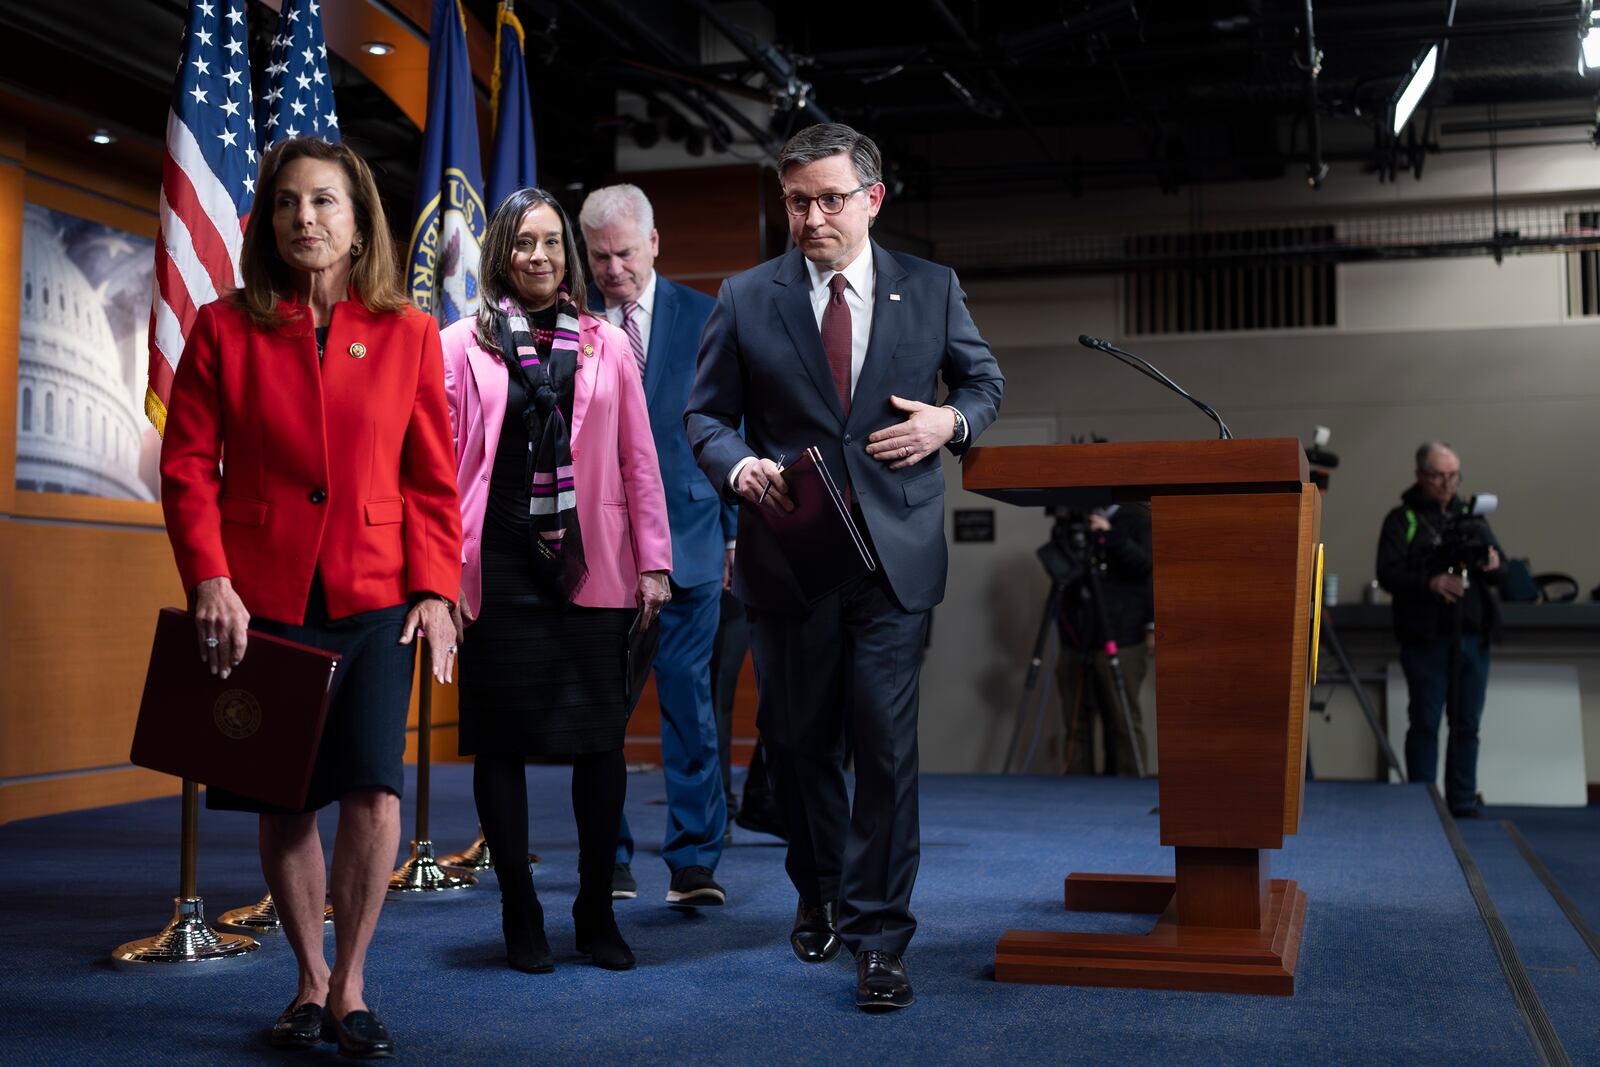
357 350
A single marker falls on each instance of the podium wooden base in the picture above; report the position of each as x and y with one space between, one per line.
1203 959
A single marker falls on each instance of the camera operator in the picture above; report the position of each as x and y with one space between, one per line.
1438 560
1116 540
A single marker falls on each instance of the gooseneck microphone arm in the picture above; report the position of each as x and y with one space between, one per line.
1145 368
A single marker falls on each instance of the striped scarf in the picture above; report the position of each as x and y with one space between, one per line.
557 540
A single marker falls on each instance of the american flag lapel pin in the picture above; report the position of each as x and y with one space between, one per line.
895 297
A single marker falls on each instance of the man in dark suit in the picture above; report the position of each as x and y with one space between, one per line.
840 344
662 321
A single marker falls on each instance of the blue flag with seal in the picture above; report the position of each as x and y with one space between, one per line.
512 163
442 269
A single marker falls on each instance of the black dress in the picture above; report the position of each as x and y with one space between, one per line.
539 677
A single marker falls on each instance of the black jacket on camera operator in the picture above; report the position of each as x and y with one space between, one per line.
1411 536
1422 544
1120 537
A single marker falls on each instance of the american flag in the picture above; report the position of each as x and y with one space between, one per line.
208 184
298 98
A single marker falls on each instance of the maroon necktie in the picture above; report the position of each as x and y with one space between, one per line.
836 339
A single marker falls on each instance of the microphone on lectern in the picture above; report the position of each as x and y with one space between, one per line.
1147 369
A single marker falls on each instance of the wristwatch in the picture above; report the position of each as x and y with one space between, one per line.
961 425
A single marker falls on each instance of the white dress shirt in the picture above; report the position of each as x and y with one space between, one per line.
643 315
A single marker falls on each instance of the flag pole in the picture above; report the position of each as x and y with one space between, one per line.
187 938
512 166
421 873
262 917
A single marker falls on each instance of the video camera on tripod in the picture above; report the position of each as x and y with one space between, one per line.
1069 559
1066 554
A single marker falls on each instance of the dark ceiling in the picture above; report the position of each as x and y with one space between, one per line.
967 98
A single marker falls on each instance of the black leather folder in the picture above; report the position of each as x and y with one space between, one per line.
819 539
255 733
642 644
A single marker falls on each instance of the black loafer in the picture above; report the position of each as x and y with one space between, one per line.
359 1035
814 938
881 982
300 1026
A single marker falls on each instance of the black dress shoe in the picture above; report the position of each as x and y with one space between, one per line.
881 982
359 1035
300 1026
814 938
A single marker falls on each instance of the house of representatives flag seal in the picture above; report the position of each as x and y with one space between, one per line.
442 272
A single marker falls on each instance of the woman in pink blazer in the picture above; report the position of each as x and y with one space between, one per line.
565 543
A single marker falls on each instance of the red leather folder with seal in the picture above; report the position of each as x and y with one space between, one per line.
255 733
819 539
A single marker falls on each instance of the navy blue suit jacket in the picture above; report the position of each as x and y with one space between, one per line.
762 363
702 524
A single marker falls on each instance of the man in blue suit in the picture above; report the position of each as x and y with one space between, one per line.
841 345
663 321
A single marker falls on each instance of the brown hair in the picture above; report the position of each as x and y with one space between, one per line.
374 274
494 263
831 139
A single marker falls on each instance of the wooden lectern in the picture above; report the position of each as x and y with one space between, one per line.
1237 577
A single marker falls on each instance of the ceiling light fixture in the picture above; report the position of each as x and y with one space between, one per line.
102 136
377 48
1589 44
1415 87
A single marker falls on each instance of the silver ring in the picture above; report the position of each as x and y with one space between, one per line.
450 649
212 642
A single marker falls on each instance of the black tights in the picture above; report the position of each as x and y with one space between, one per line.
599 785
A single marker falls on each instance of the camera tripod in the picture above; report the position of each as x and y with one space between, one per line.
1052 606
1347 676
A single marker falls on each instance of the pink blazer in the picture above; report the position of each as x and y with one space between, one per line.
621 506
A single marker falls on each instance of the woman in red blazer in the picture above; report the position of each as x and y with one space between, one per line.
566 545
332 520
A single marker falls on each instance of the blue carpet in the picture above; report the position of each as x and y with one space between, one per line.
1568 841
1395 965
1564 972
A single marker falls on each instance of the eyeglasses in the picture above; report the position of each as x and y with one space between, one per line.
830 203
1440 477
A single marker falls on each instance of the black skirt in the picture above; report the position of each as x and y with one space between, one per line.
364 736
540 678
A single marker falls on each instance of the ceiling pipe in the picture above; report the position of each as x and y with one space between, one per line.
1316 169
780 70
1011 103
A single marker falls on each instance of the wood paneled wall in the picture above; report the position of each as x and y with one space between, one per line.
80 579
714 221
